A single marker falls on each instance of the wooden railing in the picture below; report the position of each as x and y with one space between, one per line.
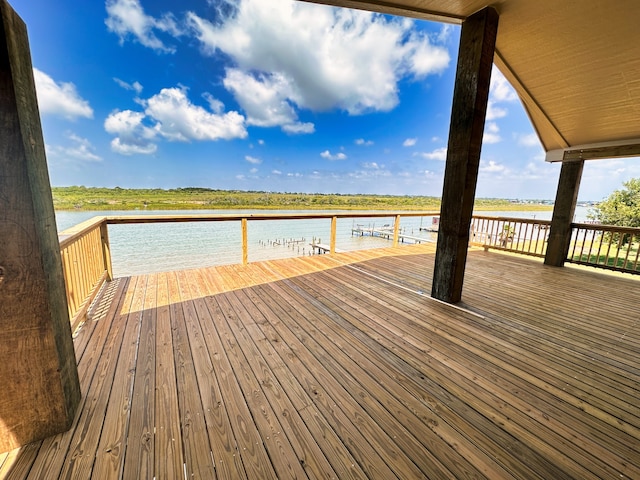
86 264
518 235
244 219
86 252
603 246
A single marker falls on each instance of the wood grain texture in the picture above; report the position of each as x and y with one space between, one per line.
471 93
41 390
342 367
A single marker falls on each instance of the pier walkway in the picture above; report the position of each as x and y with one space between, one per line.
341 366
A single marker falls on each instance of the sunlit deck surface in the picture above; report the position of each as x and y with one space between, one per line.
341 367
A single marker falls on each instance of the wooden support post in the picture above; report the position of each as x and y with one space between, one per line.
106 250
245 243
563 210
332 242
40 388
471 93
396 231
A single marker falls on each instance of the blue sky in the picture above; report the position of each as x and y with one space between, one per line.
271 96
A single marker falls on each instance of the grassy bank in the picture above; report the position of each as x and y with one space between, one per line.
83 198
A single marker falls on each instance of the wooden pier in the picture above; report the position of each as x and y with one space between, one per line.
387 233
323 248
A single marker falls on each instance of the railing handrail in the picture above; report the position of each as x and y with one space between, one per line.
530 221
129 219
607 228
70 235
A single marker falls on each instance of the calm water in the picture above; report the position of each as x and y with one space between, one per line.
138 249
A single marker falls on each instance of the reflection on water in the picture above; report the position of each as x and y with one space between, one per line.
145 248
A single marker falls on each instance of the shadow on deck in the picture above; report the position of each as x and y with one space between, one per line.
343 367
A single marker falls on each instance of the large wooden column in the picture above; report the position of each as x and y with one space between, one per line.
39 387
563 212
471 93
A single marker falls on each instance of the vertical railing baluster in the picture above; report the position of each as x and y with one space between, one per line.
245 242
334 227
396 231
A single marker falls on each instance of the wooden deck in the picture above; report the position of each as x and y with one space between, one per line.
341 367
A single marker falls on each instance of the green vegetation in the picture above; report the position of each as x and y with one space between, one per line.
84 198
621 208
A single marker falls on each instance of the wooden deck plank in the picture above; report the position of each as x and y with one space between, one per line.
169 461
216 365
377 345
199 462
277 444
356 377
139 457
224 447
318 452
479 363
113 440
542 339
480 358
305 447
363 438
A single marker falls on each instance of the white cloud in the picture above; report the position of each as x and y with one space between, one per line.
530 140
253 160
329 156
264 98
437 154
276 172
180 120
215 105
371 165
492 167
126 17
409 142
253 171
499 91
491 133
60 99
295 54
364 143
170 115
299 128
135 86
123 148
494 112
445 33
80 149
133 137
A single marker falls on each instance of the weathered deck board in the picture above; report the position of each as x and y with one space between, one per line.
341 367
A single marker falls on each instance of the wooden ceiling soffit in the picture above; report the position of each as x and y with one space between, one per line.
392 8
596 151
547 132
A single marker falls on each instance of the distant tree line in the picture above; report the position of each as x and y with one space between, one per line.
187 198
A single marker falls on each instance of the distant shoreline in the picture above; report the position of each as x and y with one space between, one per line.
97 199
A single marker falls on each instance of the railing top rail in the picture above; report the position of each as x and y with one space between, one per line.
606 228
128 219
513 219
70 235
